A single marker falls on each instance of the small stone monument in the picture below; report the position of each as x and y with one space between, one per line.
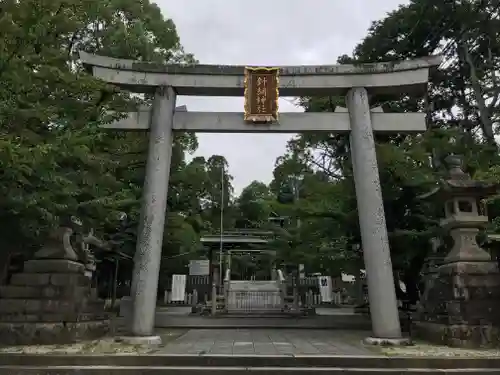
51 301
461 304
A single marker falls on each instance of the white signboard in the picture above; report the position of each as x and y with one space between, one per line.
325 288
178 287
199 267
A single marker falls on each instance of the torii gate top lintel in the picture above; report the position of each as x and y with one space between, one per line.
227 80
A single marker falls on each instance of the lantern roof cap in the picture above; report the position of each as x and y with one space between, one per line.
459 183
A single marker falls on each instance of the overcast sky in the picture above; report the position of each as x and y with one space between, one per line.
265 32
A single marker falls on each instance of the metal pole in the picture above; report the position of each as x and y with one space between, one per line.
221 223
296 193
214 294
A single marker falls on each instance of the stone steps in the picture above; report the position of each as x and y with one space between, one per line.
166 370
216 360
253 286
253 297
26 364
257 314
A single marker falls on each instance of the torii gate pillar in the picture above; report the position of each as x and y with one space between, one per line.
147 257
376 252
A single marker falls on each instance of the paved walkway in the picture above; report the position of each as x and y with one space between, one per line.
268 342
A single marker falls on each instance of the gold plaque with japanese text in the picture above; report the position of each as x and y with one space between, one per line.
261 95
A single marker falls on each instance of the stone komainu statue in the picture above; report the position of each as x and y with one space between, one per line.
69 242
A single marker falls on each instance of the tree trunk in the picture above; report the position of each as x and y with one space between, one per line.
484 113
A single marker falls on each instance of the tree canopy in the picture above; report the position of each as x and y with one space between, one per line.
462 107
313 180
55 160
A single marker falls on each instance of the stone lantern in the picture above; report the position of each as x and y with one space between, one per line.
461 304
465 212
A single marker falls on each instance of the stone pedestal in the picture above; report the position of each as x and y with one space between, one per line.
461 307
50 302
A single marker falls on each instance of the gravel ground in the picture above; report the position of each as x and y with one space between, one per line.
107 345
422 349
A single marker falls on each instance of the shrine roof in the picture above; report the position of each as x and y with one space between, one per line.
233 239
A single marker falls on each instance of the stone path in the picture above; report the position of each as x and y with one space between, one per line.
267 342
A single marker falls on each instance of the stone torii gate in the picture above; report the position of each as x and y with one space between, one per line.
356 82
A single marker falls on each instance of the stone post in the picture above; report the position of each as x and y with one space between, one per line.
381 290
215 277
150 237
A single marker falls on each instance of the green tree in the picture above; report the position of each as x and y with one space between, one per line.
54 159
219 196
462 108
254 205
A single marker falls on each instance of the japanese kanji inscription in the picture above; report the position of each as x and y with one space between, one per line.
261 94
